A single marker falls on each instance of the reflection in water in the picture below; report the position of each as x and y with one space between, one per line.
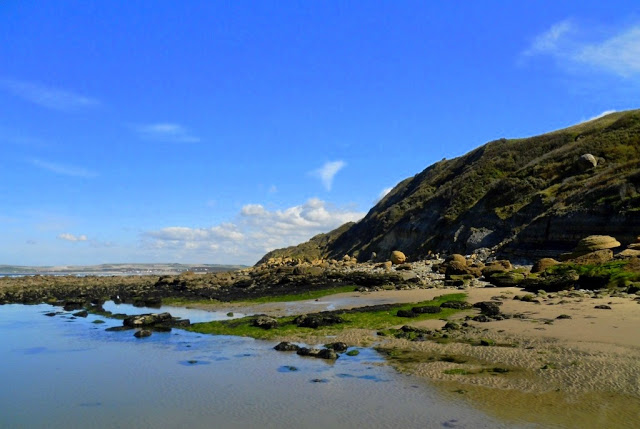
66 375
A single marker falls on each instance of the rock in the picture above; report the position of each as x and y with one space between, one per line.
456 268
142 333
595 242
458 305
317 320
83 313
563 316
603 307
593 258
427 309
73 305
499 266
338 346
327 354
551 282
489 308
406 313
586 162
397 257
457 258
451 326
146 319
119 328
264 322
543 264
287 347
482 318
506 279
404 267
410 277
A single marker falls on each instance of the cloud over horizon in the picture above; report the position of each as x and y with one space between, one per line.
328 171
618 53
72 238
256 231
45 96
166 132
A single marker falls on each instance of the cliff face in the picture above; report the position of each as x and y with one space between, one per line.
528 197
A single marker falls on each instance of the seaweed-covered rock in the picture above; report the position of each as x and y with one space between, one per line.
264 322
457 305
426 309
286 346
551 282
406 313
338 346
397 257
317 320
506 279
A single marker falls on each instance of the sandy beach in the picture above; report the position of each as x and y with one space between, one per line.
581 370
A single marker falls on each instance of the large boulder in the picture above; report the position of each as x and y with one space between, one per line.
593 258
586 162
543 264
500 266
397 257
595 242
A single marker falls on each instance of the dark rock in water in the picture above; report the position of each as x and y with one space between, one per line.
327 354
146 319
142 333
161 328
153 320
317 320
264 322
73 305
317 353
50 314
406 313
83 313
305 351
427 309
458 305
287 347
119 328
603 307
338 347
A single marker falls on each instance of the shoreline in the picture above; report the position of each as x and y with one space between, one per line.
535 365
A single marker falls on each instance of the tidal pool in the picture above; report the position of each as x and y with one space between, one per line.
61 372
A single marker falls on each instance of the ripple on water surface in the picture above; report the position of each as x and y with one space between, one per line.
67 374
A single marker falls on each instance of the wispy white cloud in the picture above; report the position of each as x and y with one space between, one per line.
166 132
256 231
327 172
72 238
46 96
550 40
617 53
65 170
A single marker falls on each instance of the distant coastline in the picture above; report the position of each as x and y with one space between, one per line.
114 269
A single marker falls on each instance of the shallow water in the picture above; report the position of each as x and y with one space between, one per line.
194 315
60 372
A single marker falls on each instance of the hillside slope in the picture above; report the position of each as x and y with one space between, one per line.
526 197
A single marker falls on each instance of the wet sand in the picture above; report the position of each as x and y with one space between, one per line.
582 371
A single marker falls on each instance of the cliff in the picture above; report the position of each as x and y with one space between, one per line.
527 197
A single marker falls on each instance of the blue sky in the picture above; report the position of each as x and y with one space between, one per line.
211 132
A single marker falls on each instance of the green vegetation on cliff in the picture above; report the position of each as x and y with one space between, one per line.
522 195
